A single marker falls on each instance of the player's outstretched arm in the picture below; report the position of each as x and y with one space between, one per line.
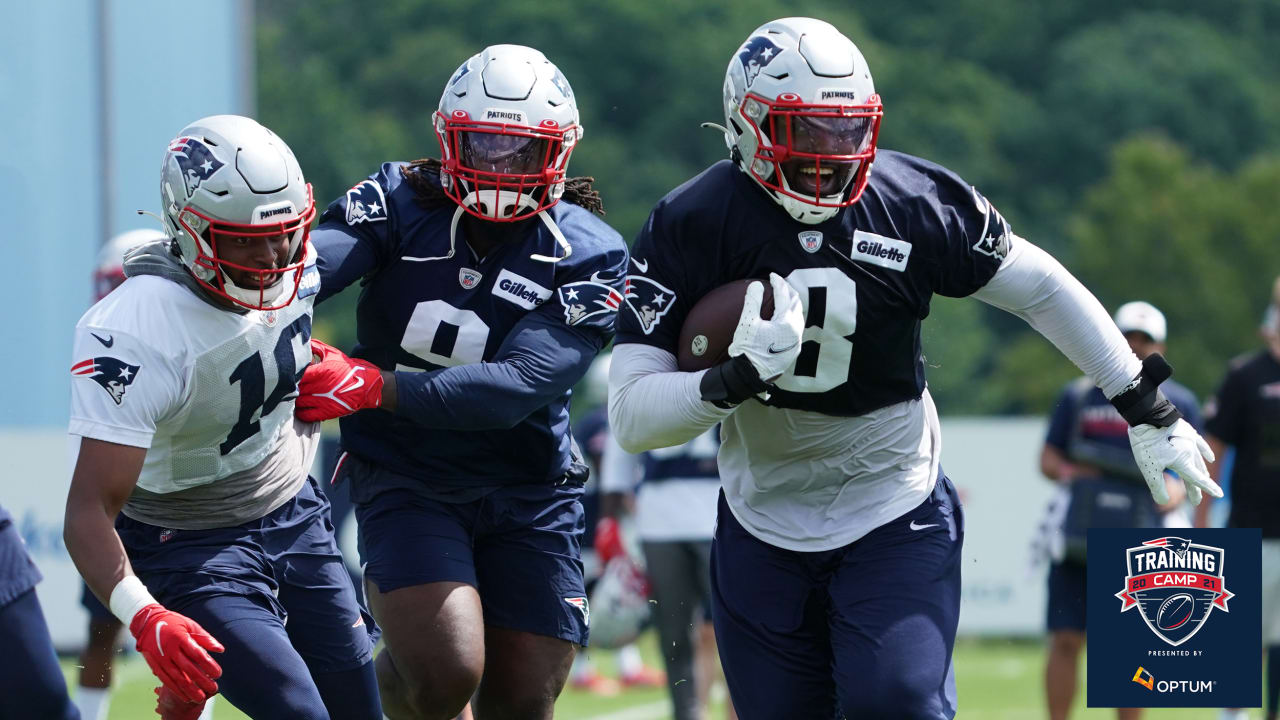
176 648
540 359
1034 286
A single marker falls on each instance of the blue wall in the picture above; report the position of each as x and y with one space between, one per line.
82 143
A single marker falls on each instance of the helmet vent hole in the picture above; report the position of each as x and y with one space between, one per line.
736 127
219 193
783 76
209 142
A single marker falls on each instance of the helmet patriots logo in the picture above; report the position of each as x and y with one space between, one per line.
648 300
195 160
585 299
113 375
756 54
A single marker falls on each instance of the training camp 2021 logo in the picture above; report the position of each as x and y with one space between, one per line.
1175 584
1163 645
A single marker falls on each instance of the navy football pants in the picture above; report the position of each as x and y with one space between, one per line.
865 630
31 683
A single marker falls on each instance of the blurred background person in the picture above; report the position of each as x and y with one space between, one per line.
591 432
672 494
1087 452
1244 415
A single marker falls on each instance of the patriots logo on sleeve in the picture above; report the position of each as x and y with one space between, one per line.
196 161
648 300
366 203
996 234
588 298
115 376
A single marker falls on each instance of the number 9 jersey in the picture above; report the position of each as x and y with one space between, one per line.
866 277
208 391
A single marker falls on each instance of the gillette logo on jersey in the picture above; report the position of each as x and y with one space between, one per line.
115 376
195 160
1175 584
1165 624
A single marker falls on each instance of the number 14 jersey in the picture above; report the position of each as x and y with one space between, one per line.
849 439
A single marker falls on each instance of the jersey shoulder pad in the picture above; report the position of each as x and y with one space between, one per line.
366 201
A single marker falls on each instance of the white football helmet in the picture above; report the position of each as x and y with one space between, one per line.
802 116
109 273
619 604
226 176
507 123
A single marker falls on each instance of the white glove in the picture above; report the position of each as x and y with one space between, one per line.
1180 449
771 345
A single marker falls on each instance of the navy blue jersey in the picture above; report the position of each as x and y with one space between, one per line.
866 276
694 460
486 348
1087 429
17 573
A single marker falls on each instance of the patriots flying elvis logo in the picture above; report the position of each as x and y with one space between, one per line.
114 375
195 160
755 55
648 300
587 298
366 203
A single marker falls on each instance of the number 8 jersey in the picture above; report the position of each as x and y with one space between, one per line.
208 391
793 475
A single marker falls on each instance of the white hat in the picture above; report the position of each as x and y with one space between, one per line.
1142 317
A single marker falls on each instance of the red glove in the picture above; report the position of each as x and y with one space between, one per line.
170 707
175 648
334 385
609 540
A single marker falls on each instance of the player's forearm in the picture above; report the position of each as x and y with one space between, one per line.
652 404
1034 286
95 548
480 396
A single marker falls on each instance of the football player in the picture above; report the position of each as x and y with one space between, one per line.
834 497
484 300
190 513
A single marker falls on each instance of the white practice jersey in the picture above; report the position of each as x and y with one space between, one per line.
807 481
208 391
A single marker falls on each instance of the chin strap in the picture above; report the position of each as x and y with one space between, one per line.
559 236
453 239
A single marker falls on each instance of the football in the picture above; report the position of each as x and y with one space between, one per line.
1175 611
708 328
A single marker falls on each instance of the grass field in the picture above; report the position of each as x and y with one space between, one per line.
997 680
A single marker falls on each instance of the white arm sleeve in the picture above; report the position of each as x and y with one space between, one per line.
651 403
619 469
1034 286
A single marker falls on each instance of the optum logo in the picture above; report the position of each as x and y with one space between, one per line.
1144 678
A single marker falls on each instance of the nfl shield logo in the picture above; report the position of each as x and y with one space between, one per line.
811 240
468 278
